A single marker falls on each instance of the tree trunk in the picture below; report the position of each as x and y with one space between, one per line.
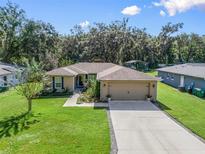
29 105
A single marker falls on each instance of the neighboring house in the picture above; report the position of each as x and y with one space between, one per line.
9 74
120 82
184 75
137 65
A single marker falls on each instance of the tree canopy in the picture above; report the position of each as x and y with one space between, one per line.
117 42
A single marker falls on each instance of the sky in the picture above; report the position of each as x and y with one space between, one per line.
149 14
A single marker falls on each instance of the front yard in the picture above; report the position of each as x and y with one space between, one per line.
186 108
52 128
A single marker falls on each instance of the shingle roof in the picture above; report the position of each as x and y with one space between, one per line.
63 71
124 73
189 69
92 67
81 68
104 71
4 72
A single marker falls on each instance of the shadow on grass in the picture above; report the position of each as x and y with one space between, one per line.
48 97
99 108
15 124
162 106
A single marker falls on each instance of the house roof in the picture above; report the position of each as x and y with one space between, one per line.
63 71
4 72
80 68
189 69
124 73
104 71
10 67
90 68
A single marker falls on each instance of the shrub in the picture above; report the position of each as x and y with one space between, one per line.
92 92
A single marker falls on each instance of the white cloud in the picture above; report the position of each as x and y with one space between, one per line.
156 4
131 10
84 24
162 13
178 6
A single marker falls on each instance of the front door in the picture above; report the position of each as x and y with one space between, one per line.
79 81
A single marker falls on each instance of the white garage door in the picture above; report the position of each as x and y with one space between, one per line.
128 90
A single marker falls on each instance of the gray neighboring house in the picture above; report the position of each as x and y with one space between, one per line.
9 74
184 75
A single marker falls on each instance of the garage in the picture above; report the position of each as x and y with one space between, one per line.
128 90
123 83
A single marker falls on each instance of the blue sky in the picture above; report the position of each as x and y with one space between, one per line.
64 14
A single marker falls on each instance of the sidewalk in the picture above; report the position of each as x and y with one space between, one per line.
72 102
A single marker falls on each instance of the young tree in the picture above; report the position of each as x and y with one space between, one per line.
32 82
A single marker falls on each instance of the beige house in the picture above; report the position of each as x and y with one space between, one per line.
120 82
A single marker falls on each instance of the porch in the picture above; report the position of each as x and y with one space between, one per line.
71 83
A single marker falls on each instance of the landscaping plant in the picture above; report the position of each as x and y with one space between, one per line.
92 92
32 82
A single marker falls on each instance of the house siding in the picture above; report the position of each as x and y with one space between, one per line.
69 83
173 80
198 82
10 80
188 80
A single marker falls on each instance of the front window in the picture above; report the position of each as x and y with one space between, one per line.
5 80
92 77
58 82
168 76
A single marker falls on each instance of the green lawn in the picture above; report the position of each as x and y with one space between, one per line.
52 128
186 108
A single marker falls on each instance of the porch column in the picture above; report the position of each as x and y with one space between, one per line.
53 79
74 83
62 78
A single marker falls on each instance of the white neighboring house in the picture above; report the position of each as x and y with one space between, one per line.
9 75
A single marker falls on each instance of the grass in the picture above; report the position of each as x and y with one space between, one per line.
186 108
51 128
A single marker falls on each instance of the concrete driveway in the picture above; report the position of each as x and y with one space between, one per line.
140 127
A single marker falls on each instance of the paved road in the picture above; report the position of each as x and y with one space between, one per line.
140 127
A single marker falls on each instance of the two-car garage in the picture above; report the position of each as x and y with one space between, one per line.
128 90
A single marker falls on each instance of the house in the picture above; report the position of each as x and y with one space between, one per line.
120 82
137 64
184 75
9 75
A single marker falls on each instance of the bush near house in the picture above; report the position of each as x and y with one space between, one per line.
91 93
50 92
2 89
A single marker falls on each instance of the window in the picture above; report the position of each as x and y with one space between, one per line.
5 80
168 76
172 77
58 82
